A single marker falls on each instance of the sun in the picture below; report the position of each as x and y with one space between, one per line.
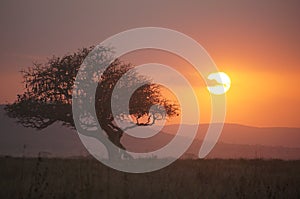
222 85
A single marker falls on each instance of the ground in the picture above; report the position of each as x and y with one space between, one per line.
87 178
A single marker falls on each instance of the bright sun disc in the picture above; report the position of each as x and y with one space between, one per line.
223 83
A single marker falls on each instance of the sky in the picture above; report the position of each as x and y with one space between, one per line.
257 43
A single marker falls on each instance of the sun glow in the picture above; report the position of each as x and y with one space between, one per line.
221 83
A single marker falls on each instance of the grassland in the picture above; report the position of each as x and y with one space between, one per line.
87 178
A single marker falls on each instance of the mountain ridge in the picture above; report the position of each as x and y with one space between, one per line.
236 141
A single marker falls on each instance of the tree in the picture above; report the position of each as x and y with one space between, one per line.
48 96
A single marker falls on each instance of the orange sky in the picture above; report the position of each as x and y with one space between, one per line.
256 97
257 43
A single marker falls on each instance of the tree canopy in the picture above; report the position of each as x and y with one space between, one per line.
48 95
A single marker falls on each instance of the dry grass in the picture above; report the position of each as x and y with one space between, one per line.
87 178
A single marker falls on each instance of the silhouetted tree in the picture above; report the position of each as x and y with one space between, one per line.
48 95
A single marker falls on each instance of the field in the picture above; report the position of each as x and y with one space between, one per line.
87 178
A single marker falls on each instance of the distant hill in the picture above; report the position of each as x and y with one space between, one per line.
246 135
236 141
221 150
